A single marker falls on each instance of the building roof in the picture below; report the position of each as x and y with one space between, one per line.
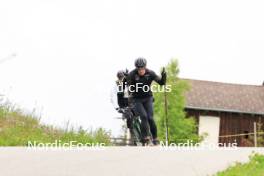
208 95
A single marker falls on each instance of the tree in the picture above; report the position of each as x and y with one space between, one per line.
181 128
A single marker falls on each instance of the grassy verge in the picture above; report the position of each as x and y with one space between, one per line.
17 128
255 167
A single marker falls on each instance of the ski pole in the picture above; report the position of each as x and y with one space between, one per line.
166 113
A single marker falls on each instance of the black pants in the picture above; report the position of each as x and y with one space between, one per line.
144 108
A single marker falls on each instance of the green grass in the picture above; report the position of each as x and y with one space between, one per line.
255 167
17 128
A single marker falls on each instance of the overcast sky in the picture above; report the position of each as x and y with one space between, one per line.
68 52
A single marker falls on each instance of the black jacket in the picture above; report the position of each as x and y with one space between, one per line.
134 79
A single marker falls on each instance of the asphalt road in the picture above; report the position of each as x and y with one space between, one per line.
116 161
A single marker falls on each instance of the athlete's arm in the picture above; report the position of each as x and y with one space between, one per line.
160 80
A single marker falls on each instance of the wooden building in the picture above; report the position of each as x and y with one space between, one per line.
223 109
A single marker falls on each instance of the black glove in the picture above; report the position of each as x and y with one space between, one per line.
163 74
126 72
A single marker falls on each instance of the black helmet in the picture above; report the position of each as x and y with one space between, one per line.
120 74
140 62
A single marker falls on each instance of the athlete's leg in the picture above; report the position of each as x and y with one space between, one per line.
140 110
148 105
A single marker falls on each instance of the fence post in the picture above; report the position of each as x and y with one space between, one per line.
255 134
